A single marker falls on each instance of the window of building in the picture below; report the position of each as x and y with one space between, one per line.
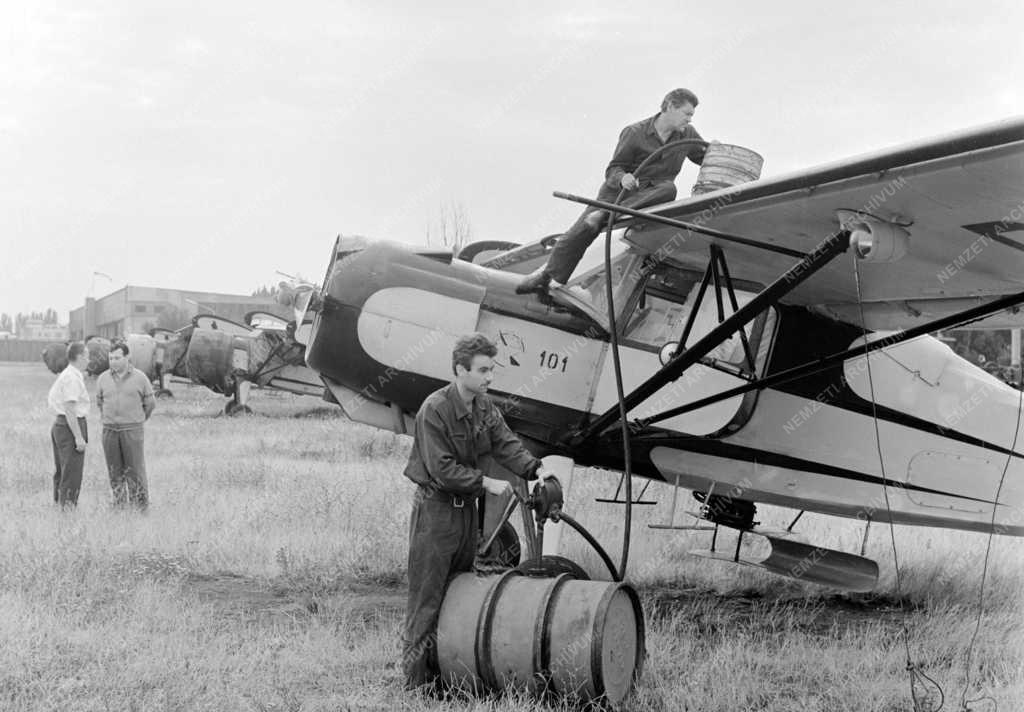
140 308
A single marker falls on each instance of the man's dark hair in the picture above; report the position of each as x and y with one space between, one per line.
470 345
75 349
120 346
678 97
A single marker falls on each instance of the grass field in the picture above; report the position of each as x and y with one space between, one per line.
269 575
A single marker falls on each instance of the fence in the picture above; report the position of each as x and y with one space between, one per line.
24 349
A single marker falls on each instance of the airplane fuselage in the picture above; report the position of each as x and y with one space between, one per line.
915 424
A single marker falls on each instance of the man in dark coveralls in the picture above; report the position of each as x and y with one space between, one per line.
456 427
653 185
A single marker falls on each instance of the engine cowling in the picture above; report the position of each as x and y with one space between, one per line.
211 361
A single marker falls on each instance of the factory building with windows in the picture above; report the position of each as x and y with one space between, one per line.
136 310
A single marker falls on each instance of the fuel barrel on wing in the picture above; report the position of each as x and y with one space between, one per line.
572 637
726 165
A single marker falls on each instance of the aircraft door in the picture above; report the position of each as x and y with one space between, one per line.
649 331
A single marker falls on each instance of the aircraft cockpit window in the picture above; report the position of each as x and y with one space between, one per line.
731 350
588 282
656 321
664 307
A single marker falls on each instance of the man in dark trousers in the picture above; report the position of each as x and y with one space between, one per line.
125 398
653 185
456 427
69 400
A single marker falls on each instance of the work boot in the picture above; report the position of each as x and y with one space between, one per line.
535 282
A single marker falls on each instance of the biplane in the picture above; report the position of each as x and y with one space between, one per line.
774 343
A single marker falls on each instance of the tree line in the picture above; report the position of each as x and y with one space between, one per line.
16 323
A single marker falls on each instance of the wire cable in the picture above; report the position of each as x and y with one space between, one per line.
616 362
964 702
923 689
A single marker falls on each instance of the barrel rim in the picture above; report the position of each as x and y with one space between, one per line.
597 650
482 645
542 627
725 148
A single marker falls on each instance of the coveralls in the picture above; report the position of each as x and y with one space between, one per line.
451 446
657 185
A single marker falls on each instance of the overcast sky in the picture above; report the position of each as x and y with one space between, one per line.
204 146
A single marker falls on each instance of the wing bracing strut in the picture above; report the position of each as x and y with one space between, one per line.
829 249
811 367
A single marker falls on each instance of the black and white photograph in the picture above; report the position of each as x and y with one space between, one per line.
510 356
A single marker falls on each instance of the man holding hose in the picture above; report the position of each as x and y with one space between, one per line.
457 429
654 184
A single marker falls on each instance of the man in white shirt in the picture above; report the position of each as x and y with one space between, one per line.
69 400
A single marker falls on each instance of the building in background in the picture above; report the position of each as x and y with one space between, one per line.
38 330
136 310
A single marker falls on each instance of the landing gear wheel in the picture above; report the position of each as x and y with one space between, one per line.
164 393
551 565
232 408
505 551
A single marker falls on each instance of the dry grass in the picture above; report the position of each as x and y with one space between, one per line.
269 574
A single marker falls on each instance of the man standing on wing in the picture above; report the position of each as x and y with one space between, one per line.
69 400
125 398
655 184
456 427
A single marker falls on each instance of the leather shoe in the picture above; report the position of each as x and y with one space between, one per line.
535 282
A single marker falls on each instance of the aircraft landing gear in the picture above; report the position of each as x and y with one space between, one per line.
787 553
727 511
505 551
238 403
546 502
162 391
233 408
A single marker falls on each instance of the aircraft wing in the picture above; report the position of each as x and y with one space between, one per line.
960 197
216 323
298 379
